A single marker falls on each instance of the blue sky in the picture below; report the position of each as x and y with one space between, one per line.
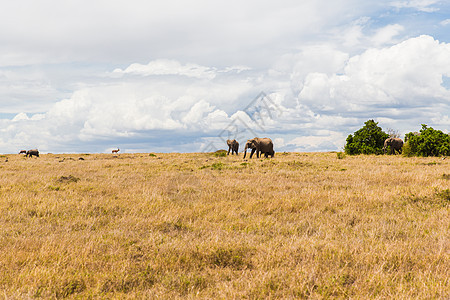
177 76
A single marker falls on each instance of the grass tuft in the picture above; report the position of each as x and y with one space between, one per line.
69 178
444 195
230 258
340 155
70 287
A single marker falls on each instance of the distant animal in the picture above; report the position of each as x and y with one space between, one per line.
396 144
23 152
32 152
259 145
233 145
115 151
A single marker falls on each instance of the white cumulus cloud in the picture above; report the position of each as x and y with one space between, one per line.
410 72
169 67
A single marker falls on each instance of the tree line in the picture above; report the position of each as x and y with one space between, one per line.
370 140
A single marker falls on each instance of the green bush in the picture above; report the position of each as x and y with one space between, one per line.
406 150
367 140
340 155
428 142
220 153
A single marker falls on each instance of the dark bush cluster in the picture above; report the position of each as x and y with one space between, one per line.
370 140
428 142
367 140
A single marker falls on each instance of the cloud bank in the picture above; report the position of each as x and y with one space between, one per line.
321 95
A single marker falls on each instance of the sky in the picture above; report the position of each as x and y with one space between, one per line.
81 76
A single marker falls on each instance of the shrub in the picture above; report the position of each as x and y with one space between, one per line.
428 142
217 166
220 153
406 150
367 140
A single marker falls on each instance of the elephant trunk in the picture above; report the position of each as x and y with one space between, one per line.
245 150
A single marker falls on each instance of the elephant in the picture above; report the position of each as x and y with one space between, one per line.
32 152
396 144
233 145
260 145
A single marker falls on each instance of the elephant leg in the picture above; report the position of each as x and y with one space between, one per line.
229 147
253 151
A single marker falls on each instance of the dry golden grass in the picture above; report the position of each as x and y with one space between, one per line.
300 225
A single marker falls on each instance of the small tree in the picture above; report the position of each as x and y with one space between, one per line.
428 142
367 140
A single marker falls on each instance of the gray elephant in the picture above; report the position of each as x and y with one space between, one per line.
32 152
395 144
260 145
233 145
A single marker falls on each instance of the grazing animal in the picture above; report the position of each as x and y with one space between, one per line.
233 145
396 144
115 151
32 152
23 152
260 145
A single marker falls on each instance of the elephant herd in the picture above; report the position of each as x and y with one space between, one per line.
265 145
30 153
258 145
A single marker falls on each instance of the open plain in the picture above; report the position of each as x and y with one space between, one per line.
199 225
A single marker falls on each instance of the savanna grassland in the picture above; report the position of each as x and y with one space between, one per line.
299 225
